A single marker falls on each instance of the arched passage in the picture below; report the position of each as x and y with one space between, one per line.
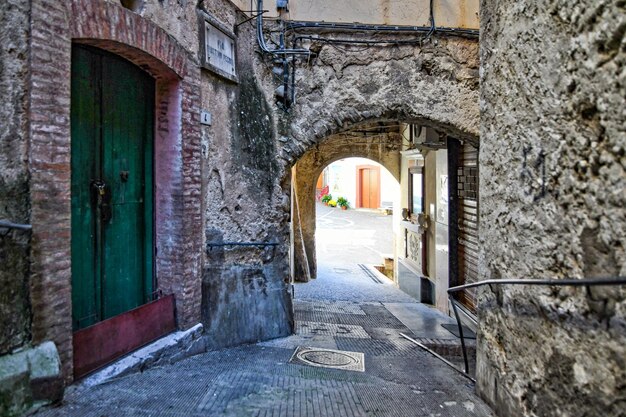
431 256
434 85
382 146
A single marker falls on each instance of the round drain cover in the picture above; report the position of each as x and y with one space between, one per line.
327 358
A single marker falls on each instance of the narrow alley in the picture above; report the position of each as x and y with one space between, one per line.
348 308
166 250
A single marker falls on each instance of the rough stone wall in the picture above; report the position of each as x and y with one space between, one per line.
15 316
552 205
382 149
245 292
434 84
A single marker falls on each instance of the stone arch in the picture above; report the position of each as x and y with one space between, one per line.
111 27
306 172
434 85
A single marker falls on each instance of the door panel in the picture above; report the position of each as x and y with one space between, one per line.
369 187
127 160
365 187
112 118
85 117
374 188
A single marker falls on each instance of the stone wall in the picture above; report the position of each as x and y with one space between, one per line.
433 83
552 181
245 293
15 313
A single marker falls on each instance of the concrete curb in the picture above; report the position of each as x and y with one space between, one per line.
169 349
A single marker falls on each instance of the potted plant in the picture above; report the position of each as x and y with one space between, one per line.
326 198
343 203
332 203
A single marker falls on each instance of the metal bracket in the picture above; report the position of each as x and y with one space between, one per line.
254 16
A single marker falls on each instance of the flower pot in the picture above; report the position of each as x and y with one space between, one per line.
344 207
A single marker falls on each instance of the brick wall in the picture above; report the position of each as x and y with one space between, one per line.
177 156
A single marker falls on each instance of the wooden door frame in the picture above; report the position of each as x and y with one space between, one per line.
359 197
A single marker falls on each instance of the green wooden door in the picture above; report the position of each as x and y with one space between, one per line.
112 118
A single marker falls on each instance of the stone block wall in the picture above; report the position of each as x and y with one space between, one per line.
246 296
15 312
552 205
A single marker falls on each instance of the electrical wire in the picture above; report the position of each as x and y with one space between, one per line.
261 38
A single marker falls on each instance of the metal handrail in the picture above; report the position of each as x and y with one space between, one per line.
546 282
214 244
18 226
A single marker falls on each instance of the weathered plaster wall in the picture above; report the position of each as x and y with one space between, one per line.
15 316
245 293
382 149
552 205
177 17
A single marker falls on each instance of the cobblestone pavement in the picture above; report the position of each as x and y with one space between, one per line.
342 310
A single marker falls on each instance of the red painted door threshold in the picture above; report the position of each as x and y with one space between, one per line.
100 344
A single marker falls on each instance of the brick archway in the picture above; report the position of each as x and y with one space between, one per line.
55 26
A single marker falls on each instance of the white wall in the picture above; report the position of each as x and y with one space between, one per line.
448 13
342 180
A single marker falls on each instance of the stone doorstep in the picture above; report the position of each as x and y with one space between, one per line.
168 349
30 377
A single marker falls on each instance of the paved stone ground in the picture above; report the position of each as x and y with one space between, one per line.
342 310
344 240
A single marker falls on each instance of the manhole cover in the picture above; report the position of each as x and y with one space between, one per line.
329 358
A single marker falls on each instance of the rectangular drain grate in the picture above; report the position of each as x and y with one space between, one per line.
339 307
329 358
330 329
371 275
